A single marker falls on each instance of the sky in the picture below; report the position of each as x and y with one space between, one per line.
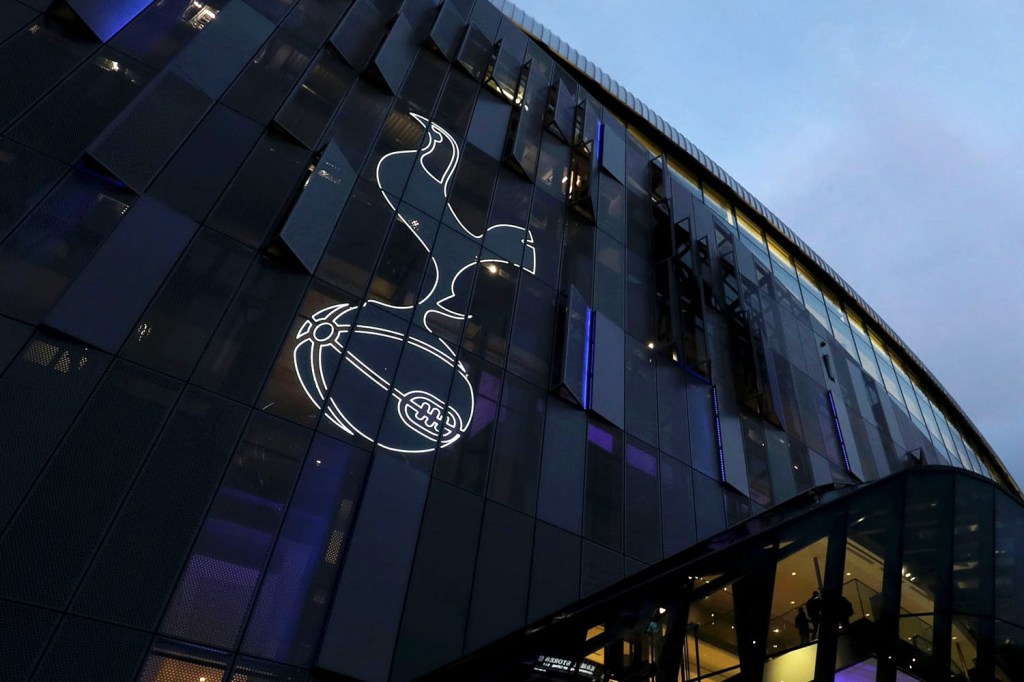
889 136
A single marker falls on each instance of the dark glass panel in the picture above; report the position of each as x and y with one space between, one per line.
81 488
511 203
27 632
973 548
351 254
446 32
677 521
465 462
34 60
607 394
105 301
555 575
437 604
600 568
673 425
756 456
213 58
396 54
313 20
474 51
263 85
13 336
643 511
289 612
14 16
26 178
308 109
64 123
533 332
470 196
971 650
358 34
241 352
443 310
360 635
609 278
421 89
228 560
316 210
611 208
360 117
640 297
547 218
455 108
701 424
139 142
202 168
708 503
1009 651
1009 559
173 332
501 582
259 192
490 123
133 574
603 493
613 147
85 649
927 562
405 259
553 167
578 257
42 391
641 395
490 321
638 167
515 463
560 495
50 247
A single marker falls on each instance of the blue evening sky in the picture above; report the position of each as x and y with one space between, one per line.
889 136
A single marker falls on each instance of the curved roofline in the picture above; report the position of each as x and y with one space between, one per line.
596 76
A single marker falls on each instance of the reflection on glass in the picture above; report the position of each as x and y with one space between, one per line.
711 644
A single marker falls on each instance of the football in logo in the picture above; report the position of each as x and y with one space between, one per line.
375 376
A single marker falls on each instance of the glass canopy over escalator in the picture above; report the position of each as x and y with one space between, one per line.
912 578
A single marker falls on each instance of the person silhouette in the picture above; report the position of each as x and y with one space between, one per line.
803 625
845 611
815 608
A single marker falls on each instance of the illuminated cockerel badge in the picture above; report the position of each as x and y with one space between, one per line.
430 403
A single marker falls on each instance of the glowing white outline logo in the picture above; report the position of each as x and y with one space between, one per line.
425 415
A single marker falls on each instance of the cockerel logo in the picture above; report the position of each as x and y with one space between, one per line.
430 403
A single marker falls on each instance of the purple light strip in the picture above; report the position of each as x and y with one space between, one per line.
718 432
839 430
587 324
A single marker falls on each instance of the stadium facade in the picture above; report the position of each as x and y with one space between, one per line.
380 339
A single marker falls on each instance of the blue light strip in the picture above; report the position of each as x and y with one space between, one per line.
597 140
587 324
718 432
839 430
